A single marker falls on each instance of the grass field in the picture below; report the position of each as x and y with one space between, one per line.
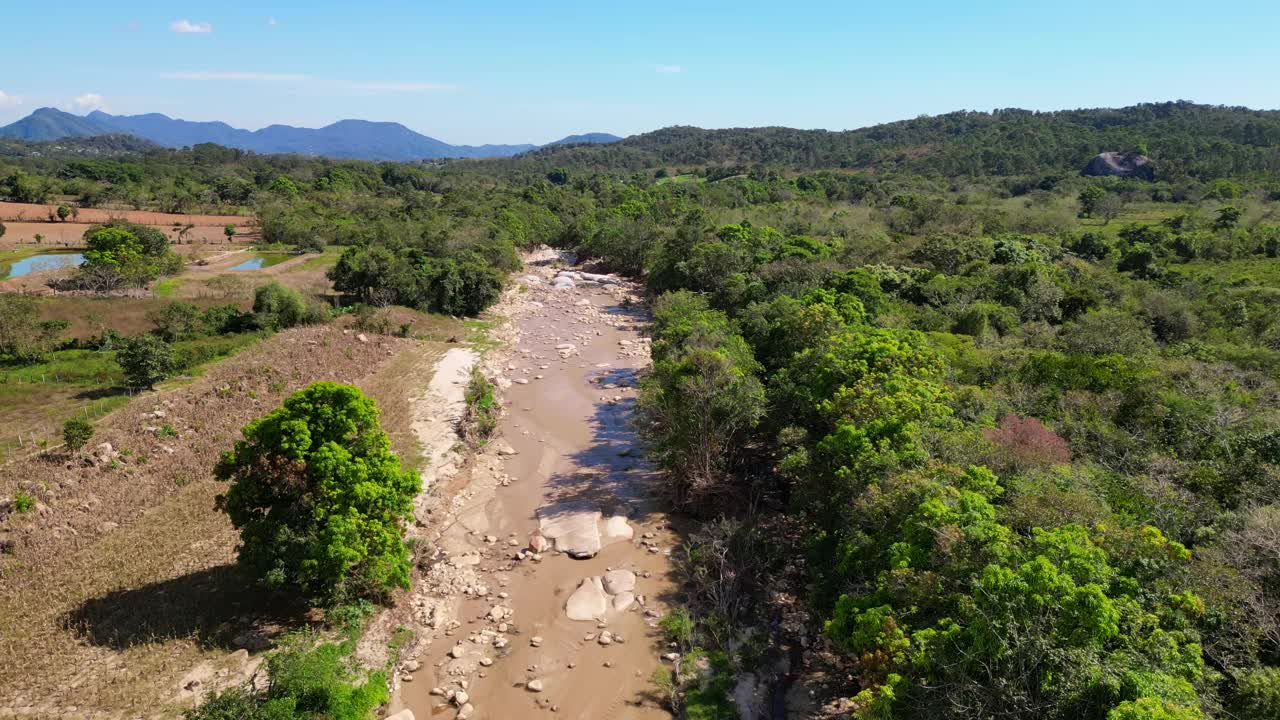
36 399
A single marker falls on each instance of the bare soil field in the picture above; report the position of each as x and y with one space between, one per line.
38 213
24 221
119 597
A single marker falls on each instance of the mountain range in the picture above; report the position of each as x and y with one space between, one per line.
357 139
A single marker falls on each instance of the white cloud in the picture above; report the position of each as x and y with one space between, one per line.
234 75
186 26
410 87
7 100
87 102
669 69
271 22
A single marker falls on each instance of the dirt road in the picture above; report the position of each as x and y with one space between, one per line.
496 639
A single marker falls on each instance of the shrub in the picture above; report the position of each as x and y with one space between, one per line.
23 337
276 307
1258 694
307 681
23 502
146 360
319 498
482 411
76 433
176 321
1024 443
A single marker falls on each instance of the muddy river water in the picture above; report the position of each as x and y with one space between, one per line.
565 469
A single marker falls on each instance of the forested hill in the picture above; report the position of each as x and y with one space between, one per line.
1184 138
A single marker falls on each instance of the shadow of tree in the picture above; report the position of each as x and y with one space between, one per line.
218 608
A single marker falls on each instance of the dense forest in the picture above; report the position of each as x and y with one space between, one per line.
992 439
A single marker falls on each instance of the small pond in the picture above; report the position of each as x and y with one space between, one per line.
44 263
251 264
258 262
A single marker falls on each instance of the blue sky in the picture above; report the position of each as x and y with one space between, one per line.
536 70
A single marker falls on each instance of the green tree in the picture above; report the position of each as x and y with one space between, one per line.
146 360
176 321
76 433
701 399
319 498
1089 198
24 337
1228 217
63 212
229 231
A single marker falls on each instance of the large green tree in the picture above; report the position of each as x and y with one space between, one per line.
319 498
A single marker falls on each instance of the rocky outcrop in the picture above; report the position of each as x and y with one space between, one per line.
1114 164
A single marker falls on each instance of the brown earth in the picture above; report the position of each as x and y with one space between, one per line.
29 212
24 221
119 597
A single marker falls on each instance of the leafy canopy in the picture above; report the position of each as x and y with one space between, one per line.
319 498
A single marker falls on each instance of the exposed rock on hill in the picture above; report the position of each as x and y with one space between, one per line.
1121 165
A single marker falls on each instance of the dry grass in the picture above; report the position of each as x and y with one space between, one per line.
122 581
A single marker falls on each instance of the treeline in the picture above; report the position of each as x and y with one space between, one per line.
1185 139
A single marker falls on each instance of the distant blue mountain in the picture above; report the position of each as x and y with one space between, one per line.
358 139
586 138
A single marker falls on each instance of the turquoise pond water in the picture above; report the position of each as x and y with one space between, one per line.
44 263
251 264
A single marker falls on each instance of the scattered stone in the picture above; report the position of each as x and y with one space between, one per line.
619 581
623 601
606 638
535 686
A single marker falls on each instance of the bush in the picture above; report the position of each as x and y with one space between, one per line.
176 321
276 307
482 411
146 360
1258 694
319 498
76 433
307 681
1024 443
23 502
23 337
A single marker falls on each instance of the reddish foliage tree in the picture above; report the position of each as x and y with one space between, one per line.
1024 443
